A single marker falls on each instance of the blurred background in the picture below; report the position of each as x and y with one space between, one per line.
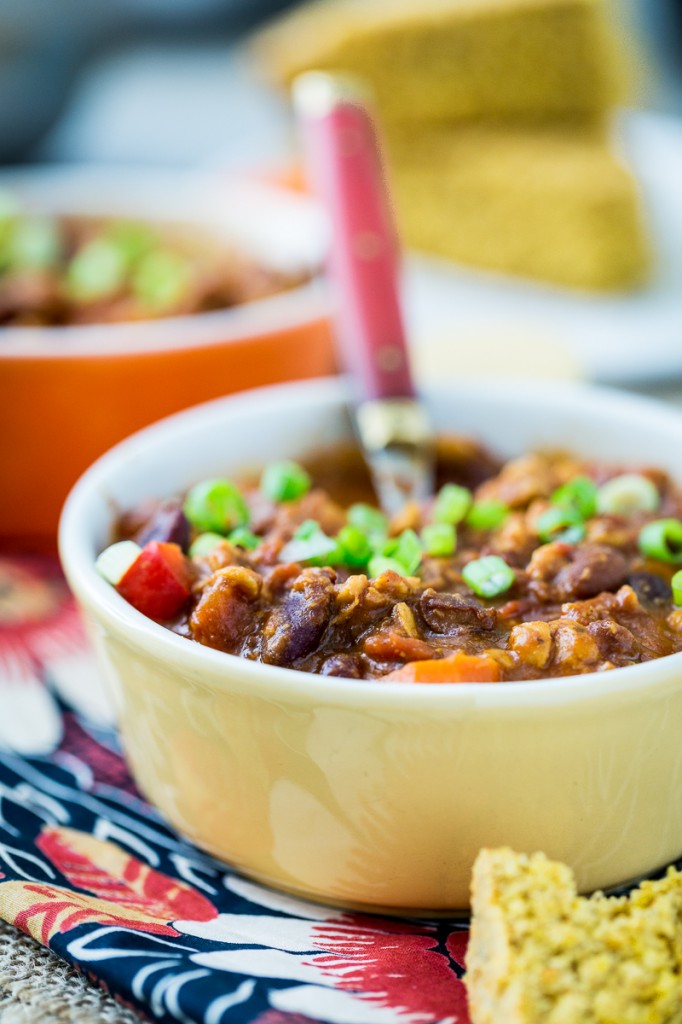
161 81
168 81
180 84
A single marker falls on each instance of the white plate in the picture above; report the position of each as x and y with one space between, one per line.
624 339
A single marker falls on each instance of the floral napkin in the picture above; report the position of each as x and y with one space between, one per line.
90 870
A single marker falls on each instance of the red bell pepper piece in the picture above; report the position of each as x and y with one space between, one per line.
158 582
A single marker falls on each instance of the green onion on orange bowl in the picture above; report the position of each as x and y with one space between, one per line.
349 707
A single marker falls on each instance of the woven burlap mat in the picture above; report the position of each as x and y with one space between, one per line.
36 987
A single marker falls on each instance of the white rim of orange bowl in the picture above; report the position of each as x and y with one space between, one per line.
295 307
78 558
302 305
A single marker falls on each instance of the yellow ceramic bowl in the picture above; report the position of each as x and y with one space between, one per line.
380 795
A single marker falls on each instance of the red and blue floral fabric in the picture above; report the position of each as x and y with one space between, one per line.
89 869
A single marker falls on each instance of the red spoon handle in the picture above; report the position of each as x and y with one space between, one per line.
346 169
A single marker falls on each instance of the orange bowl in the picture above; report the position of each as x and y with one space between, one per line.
69 393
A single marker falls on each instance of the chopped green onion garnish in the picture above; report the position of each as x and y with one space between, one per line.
488 576
217 506
452 504
243 538
487 515
662 539
96 271
284 481
627 494
354 547
114 561
308 528
579 493
204 544
162 278
561 523
310 544
408 551
370 520
133 240
676 584
207 542
403 554
439 539
34 244
405 549
382 563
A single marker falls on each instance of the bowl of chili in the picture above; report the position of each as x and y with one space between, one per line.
128 295
348 709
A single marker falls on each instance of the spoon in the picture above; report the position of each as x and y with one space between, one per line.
346 171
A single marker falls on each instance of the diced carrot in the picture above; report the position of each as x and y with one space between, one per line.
457 668
393 647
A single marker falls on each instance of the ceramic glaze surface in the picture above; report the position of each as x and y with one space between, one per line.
380 795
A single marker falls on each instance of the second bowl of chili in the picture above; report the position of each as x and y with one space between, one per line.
92 348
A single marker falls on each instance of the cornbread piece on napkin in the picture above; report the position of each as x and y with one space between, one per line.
445 60
551 203
540 954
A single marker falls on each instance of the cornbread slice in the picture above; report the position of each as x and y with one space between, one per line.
540 954
551 203
446 60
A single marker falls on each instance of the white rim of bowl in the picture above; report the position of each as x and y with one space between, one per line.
285 310
79 565
303 304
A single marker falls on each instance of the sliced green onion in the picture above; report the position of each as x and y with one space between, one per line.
439 539
243 538
561 523
207 542
162 278
216 506
487 515
113 563
370 520
308 528
662 539
204 544
676 584
382 563
35 244
96 271
579 493
452 504
405 549
285 481
132 239
408 551
403 554
310 544
488 576
627 494
573 534
355 548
